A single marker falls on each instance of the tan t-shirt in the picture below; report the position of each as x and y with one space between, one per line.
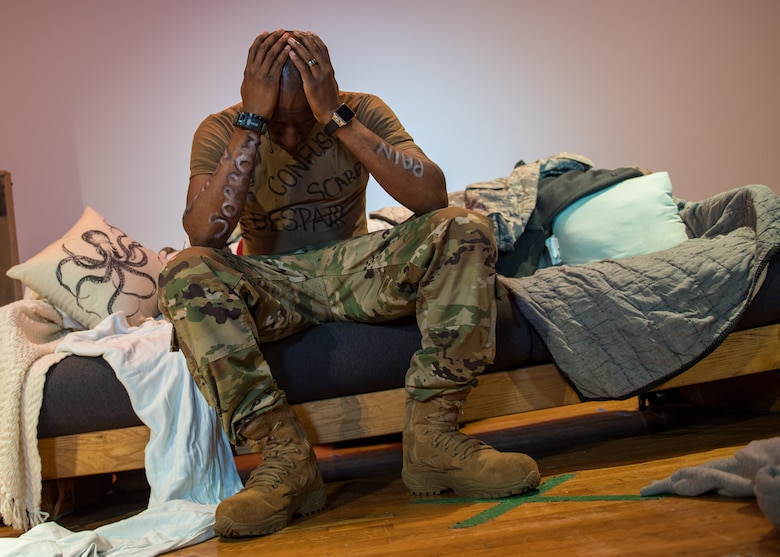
314 196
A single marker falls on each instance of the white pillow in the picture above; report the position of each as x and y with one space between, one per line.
633 217
95 270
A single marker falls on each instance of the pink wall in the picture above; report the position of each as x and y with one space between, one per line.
100 99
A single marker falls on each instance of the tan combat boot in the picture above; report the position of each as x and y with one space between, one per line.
287 483
437 457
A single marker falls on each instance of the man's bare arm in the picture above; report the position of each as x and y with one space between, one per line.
408 176
215 203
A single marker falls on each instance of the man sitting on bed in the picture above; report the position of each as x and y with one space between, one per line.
290 164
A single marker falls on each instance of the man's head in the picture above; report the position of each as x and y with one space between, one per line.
292 119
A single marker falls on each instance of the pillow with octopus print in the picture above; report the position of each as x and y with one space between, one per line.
93 271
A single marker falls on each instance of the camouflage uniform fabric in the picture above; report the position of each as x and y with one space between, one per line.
508 201
439 267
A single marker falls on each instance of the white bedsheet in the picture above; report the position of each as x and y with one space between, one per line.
189 463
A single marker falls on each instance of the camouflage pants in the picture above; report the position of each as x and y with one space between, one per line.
439 267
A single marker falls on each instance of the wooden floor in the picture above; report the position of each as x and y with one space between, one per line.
594 459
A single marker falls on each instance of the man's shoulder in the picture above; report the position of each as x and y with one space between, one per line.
228 113
377 116
219 123
361 101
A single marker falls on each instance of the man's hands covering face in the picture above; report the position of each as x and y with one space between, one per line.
310 56
260 88
267 56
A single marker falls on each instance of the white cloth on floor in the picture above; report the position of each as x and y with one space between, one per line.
154 531
189 463
753 471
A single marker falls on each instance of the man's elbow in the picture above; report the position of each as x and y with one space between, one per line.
202 236
439 199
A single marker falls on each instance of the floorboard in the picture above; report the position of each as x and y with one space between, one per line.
594 459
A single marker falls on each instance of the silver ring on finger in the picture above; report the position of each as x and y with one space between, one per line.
312 62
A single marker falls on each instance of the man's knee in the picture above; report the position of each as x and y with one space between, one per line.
185 260
187 267
466 225
461 215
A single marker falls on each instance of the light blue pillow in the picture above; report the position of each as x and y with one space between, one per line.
633 217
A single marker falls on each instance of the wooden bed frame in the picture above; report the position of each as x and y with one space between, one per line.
525 389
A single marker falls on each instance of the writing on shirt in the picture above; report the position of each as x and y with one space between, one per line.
301 219
294 175
288 178
294 182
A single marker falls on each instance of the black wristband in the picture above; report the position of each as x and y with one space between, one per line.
250 121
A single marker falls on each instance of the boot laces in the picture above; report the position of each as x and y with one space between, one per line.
448 436
277 462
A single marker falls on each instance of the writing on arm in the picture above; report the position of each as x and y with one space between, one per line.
414 165
221 206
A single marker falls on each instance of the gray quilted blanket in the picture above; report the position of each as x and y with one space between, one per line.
617 328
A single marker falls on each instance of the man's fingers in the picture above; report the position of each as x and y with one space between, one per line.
278 50
311 48
267 45
299 53
252 55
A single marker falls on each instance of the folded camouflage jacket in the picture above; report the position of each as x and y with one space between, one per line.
510 200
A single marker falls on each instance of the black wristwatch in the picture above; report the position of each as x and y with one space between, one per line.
340 118
250 121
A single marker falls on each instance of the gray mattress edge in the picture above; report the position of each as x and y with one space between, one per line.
82 394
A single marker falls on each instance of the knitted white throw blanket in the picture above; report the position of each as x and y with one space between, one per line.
29 332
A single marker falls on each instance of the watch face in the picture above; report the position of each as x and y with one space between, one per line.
345 113
341 117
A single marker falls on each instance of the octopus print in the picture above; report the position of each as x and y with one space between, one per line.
114 262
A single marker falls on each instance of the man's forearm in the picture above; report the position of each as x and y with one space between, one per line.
215 203
408 176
